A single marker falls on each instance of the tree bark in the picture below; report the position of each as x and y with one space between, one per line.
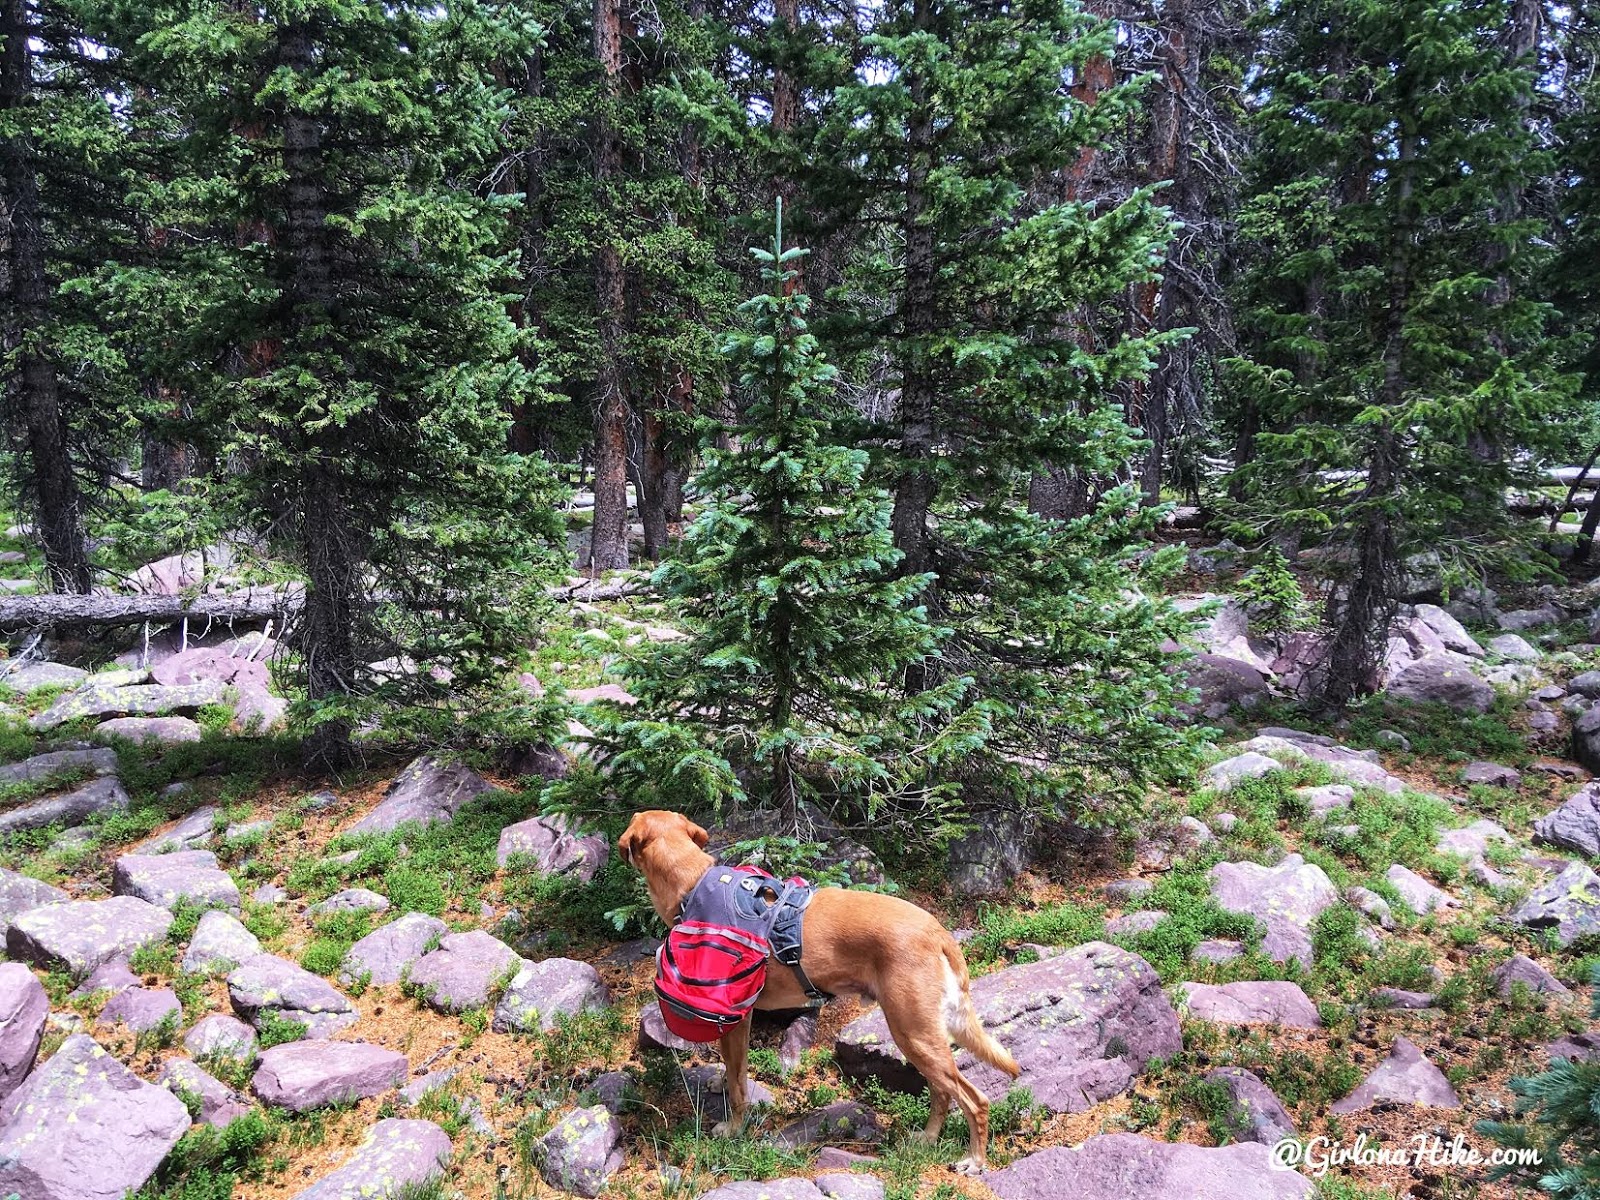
67 611
57 499
608 544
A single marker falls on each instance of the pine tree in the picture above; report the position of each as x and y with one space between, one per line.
791 685
1384 338
336 255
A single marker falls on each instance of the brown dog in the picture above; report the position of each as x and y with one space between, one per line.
853 943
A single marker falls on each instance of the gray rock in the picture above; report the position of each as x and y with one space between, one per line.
165 879
1405 1077
850 1185
71 808
612 1089
1218 950
33 676
267 983
1446 679
1390 997
1117 1166
582 1151
833 1158
1268 1003
842 1121
1420 896
141 1009
1575 825
20 894
220 942
300 1076
1519 968
1230 772
1586 684
552 847
1223 822
269 893
798 1037
1585 747
986 860
427 791
219 1103
1121 891
1360 768
23 1009
110 978
1222 683
357 899
396 1154
1449 630
771 1189
1472 841
709 1098
164 731
540 992
1135 923
1514 649
1521 619
1080 1025
654 1034
1569 905
1286 899
1330 797
463 971
385 954
1578 1047
42 767
214 663
1254 1113
1393 739
1491 775
191 833
140 700
84 1127
1370 904
80 935
222 1036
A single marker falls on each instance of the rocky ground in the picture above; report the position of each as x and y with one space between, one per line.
225 978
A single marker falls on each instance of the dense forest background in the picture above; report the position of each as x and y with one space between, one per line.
374 290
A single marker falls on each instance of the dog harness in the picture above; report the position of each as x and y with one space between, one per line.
713 963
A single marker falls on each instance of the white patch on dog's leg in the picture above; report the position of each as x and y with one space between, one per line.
719 1081
968 1166
952 1006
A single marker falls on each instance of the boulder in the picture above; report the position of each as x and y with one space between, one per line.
1117 1166
1250 1003
1472 841
1519 620
1575 825
34 676
219 1103
220 942
1446 679
1514 649
553 848
221 1036
1586 683
165 879
1585 748
72 808
256 710
1389 997
267 983
141 1009
396 1155
1286 899
1254 1113
1578 1047
463 971
1327 798
1230 772
429 790
20 894
654 1034
582 1151
1081 1025
1371 905
1359 768
1135 923
1405 1077
110 978
23 1009
850 1185
385 954
194 831
1569 905
792 1188
358 899
300 1076
164 731
540 992
43 767
1490 774
1420 896
708 1096
139 700
1519 968
84 1127
80 935
202 663
841 1121
1217 950
986 860
1222 683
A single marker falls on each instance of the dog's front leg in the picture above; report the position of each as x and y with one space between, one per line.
735 1047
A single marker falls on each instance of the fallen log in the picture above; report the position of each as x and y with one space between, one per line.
59 609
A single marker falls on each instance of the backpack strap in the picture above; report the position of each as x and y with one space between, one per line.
790 902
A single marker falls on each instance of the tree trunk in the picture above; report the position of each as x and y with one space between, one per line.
914 492
57 500
608 545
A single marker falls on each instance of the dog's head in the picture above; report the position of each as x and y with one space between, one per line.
656 825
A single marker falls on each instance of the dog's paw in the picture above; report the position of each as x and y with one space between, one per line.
727 1129
968 1166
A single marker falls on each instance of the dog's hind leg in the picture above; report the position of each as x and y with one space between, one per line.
735 1047
916 1023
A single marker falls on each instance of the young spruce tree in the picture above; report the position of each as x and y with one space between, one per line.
791 685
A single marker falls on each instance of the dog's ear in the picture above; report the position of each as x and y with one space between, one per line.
700 836
627 843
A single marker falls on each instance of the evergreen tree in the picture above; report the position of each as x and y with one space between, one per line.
335 255
791 685
1384 339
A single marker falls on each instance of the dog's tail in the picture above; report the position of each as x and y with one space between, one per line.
961 1019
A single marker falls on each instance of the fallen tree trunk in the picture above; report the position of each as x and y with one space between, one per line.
21 612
